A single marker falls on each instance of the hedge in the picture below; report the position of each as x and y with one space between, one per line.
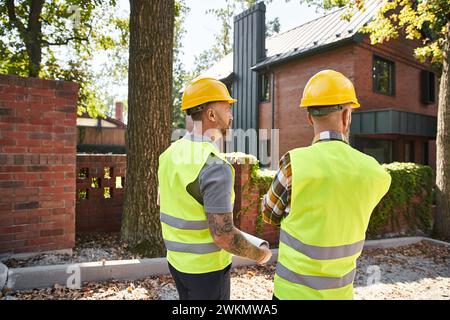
411 193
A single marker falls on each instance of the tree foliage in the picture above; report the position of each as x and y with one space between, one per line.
421 20
56 39
424 20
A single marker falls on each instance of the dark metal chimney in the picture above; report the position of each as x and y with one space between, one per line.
249 47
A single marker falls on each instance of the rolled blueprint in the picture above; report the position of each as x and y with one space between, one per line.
255 240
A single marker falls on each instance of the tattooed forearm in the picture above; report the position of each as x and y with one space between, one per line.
229 238
220 224
241 247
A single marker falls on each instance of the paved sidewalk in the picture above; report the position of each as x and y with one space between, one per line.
417 271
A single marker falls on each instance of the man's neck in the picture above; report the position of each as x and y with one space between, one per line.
330 135
318 130
211 133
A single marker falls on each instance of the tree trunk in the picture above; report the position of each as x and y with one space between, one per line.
33 38
442 223
31 35
34 51
149 120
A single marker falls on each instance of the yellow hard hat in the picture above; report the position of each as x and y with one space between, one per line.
202 90
328 88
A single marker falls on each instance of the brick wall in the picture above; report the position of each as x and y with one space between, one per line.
247 207
247 212
100 192
37 164
95 213
407 70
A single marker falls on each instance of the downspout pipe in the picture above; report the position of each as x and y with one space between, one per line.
273 99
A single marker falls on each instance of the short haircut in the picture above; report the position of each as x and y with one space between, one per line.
197 112
324 110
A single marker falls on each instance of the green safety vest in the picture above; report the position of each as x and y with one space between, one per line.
334 190
190 246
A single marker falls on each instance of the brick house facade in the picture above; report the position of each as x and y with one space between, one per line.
398 95
355 61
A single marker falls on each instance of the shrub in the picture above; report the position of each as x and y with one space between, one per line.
411 194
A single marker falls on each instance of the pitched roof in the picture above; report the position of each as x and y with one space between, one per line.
317 34
108 119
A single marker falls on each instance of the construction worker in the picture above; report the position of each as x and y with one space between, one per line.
197 197
322 197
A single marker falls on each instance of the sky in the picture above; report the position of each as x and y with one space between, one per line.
201 27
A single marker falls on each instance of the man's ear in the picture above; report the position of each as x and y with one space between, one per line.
211 115
347 117
310 121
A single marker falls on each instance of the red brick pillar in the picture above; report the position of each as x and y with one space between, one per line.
37 164
119 111
246 202
247 206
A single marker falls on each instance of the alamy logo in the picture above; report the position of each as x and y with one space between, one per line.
74 280
75 16
374 277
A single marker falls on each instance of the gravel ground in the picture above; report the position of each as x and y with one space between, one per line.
91 247
419 271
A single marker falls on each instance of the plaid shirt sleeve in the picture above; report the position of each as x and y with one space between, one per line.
276 203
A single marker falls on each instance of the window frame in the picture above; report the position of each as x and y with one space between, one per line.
375 74
428 87
265 98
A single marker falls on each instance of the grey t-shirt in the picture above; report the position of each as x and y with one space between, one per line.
214 184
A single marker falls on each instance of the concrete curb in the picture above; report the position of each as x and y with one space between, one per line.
398 242
48 276
391 243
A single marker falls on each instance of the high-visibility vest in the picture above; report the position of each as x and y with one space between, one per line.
334 190
190 246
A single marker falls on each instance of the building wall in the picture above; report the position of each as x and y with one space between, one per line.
408 90
290 80
37 164
355 62
407 94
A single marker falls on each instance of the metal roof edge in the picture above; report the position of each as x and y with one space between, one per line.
267 63
393 109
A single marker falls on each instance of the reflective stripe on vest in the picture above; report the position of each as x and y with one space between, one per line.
315 282
183 224
324 233
198 248
190 245
321 253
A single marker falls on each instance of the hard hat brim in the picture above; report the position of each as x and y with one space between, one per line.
305 103
230 101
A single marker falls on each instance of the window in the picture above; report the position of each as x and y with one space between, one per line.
382 150
265 87
409 151
426 153
383 74
428 91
